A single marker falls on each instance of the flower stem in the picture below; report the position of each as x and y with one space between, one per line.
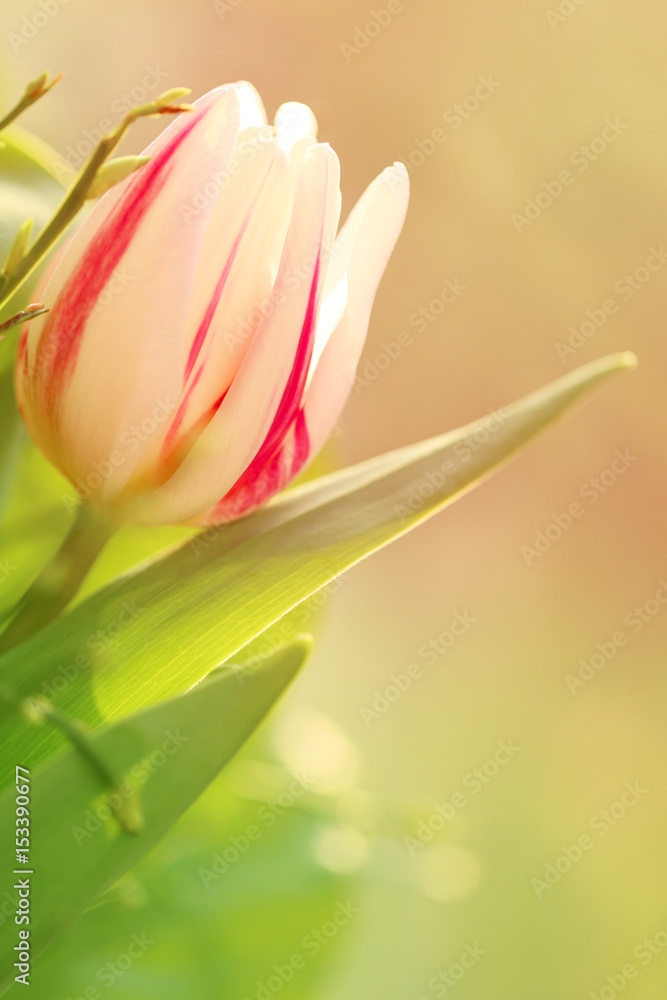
60 579
35 89
79 193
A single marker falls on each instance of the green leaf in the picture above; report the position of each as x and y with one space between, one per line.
31 186
169 754
32 179
19 246
157 631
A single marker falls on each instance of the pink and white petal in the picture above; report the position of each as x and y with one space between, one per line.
295 122
238 262
284 466
253 114
68 259
359 259
357 265
117 374
264 397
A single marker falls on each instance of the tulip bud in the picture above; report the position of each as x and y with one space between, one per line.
206 320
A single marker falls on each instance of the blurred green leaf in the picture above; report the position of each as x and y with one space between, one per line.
31 186
157 631
217 937
32 183
169 754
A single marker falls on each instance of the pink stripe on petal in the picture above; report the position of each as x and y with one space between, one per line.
291 398
203 341
65 323
252 425
205 324
180 414
284 466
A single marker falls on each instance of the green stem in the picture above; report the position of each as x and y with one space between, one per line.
69 208
24 103
60 579
36 89
76 197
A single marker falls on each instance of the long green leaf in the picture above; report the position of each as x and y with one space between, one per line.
157 631
168 755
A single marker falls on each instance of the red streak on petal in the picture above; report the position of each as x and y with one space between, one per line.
293 392
301 444
170 448
205 324
281 469
180 413
65 324
219 288
266 474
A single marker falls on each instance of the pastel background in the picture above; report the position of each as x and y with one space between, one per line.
489 104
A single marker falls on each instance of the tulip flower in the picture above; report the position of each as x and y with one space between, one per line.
206 320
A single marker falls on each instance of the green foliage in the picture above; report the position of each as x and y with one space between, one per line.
31 186
158 630
162 760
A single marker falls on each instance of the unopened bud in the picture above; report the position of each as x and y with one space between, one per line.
36 86
170 96
113 172
41 84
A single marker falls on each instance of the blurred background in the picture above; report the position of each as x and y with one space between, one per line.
434 844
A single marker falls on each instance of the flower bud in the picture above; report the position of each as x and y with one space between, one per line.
206 320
